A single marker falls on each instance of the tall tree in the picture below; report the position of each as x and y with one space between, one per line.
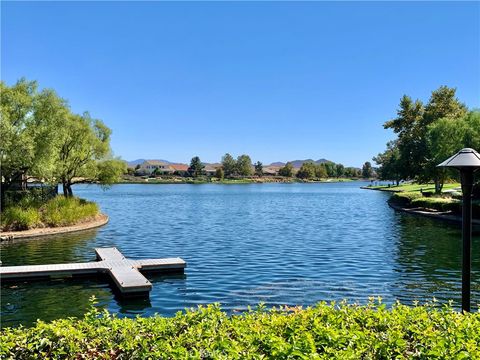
367 170
340 170
244 165
331 168
442 105
229 165
447 136
29 131
390 164
258 168
84 142
409 127
196 167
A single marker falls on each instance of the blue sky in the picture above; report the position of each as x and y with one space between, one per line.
276 80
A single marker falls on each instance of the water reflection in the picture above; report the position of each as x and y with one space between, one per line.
292 244
61 249
428 261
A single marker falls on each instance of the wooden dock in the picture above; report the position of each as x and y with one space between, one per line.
124 272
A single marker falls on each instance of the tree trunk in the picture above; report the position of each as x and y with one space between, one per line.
439 183
67 188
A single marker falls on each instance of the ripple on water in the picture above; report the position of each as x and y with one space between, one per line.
292 244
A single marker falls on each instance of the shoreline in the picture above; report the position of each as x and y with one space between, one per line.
98 221
234 182
444 216
387 189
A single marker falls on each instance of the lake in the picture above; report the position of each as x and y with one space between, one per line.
280 244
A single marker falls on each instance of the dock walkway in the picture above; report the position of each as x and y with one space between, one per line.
124 272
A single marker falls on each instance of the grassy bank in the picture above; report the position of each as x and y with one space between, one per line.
414 187
59 211
321 332
423 196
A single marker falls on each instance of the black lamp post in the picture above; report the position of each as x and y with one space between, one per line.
467 161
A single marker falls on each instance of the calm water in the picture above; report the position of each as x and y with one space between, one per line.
245 244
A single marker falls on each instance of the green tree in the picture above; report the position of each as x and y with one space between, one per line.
196 167
244 165
390 164
229 165
447 136
258 168
110 171
286 170
219 174
414 159
340 170
321 171
29 131
331 169
84 142
442 105
409 127
306 171
367 170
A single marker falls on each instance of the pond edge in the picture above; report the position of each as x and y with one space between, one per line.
98 221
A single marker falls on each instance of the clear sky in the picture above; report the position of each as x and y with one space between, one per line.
276 80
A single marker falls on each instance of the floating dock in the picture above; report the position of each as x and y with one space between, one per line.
124 272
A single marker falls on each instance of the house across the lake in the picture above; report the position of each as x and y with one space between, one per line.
159 167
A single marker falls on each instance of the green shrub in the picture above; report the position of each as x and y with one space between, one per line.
320 332
59 211
438 203
405 198
62 211
18 218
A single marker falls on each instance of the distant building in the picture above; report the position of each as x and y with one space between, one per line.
210 169
179 169
270 170
149 166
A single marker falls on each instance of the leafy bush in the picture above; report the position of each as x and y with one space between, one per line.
438 203
62 211
17 218
405 198
320 332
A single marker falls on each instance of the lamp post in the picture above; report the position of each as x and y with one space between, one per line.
467 161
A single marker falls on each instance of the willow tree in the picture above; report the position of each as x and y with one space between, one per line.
28 130
83 148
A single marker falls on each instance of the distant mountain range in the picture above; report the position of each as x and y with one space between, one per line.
296 163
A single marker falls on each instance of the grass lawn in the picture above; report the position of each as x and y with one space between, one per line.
415 187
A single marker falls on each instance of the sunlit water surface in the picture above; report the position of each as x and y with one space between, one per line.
293 244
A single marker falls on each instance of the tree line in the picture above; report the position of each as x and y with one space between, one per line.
42 138
427 134
242 166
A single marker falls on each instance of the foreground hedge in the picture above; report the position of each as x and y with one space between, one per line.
320 332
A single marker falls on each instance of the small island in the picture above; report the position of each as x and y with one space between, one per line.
45 144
